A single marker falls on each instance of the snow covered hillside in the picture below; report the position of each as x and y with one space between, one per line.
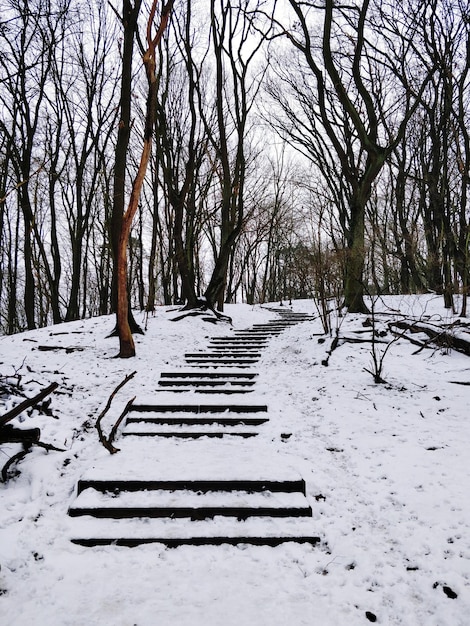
386 468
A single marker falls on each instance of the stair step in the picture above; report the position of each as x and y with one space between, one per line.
198 427
208 391
234 349
216 364
198 375
256 334
277 326
177 532
185 503
194 485
225 391
242 364
198 421
175 542
201 383
240 340
217 355
199 408
189 434
222 361
194 513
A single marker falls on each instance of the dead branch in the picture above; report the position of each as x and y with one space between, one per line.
4 419
68 349
412 340
443 337
107 441
48 446
114 429
27 437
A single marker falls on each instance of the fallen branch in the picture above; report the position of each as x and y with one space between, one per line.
107 441
27 437
68 349
442 336
4 419
415 342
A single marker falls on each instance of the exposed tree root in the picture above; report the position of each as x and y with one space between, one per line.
203 308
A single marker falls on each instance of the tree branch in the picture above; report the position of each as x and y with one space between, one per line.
4 419
107 441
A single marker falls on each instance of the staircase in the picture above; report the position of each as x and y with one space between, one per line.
213 487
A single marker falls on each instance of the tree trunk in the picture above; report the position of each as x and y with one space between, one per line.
129 20
355 258
126 341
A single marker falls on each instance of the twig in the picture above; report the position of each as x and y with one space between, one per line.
48 446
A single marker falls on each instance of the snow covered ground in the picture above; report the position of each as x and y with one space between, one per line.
386 465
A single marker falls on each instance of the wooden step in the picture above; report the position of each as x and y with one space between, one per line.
256 334
200 408
181 532
196 485
218 355
198 421
234 362
226 391
235 340
174 382
213 421
175 542
235 349
189 434
213 375
276 326
192 504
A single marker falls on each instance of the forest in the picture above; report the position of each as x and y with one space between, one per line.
314 149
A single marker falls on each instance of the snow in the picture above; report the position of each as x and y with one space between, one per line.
386 468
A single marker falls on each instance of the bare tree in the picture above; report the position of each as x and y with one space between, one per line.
353 97
182 147
87 101
28 41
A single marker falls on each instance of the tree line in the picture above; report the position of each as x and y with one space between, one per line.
299 149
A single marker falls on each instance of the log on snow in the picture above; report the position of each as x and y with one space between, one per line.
26 436
449 337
